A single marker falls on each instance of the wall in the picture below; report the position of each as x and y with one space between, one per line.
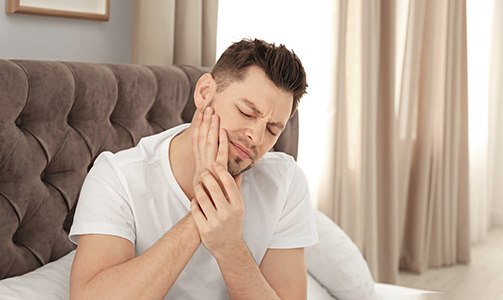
40 37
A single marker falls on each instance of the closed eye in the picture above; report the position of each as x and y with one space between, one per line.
272 131
245 114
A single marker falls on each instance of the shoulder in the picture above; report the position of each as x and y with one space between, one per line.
277 166
279 161
276 160
149 148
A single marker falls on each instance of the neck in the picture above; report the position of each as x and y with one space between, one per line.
181 156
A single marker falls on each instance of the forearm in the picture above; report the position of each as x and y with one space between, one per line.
151 274
242 275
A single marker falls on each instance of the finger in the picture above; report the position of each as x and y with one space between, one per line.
230 186
204 202
197 214
212 139
238 180
223 148
215 191
195 135
203 132
196 115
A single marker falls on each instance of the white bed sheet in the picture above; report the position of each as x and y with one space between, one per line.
384 292
51 282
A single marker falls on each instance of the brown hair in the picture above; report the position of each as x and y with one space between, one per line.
279 64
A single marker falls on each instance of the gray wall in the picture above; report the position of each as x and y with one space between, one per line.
40 37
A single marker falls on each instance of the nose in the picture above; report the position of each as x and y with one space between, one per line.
256 133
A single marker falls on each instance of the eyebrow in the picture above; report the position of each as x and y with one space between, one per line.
253 107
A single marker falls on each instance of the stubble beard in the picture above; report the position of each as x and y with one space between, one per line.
234 166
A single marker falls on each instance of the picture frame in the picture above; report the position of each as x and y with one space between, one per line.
98 10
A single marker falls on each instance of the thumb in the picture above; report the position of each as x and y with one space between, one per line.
238 180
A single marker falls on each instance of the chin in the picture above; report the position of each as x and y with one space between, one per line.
235 168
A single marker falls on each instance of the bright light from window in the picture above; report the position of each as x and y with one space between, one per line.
307 28
479 30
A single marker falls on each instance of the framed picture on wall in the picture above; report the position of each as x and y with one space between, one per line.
83 9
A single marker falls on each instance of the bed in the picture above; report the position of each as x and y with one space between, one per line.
56 117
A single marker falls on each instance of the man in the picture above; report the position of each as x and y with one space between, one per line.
203 210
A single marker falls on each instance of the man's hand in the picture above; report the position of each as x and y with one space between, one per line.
217 207
218 210
209 143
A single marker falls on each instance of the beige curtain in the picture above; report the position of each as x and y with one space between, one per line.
175 32
397 178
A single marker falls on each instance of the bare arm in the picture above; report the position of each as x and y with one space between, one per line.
282 274
105 267
285 270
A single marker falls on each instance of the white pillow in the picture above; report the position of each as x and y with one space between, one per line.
337 263
49 282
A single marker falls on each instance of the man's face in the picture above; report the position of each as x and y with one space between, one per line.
254 112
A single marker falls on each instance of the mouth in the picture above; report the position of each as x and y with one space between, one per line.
242 151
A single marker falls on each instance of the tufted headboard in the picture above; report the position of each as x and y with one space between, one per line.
55 118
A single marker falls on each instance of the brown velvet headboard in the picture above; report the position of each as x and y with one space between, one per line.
55 118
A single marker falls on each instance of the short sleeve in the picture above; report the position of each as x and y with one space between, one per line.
296 227
103 206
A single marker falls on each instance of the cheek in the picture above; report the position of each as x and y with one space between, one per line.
229 122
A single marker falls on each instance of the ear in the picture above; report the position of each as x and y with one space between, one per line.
205 90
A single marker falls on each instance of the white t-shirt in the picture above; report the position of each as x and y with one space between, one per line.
133 194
